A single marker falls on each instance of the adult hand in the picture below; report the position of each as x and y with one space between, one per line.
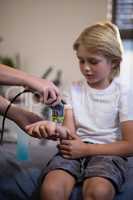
48 130
42 129
47 92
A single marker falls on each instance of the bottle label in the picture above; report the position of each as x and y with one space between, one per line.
58 113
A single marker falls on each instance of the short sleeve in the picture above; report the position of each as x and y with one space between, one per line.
126 104
67 97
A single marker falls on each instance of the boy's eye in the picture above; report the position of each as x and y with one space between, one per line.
93 62
81 61
90 61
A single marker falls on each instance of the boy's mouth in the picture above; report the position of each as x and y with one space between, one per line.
89 76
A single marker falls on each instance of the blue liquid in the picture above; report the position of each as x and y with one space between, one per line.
22 149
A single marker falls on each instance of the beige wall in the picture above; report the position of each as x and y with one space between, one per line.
43 31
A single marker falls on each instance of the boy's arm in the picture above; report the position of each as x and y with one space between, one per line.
75 148
121 148
69 121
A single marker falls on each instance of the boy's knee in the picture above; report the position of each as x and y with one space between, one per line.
57 185
99 192
51 188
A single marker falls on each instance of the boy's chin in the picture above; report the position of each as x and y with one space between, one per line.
91 81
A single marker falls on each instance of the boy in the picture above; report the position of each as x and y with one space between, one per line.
100 122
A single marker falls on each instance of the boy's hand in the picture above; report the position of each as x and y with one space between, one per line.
63 132
73 148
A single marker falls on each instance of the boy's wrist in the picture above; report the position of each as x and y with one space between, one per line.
87 149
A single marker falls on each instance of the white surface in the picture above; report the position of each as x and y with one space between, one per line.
43 31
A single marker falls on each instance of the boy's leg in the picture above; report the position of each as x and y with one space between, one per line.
104 176
98 188
57 184
59 177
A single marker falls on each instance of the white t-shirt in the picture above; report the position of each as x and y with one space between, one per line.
98 113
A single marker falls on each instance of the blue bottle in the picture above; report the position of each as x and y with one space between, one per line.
22 149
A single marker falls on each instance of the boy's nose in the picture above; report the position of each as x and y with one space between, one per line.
87 67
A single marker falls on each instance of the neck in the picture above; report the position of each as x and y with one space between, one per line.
100 85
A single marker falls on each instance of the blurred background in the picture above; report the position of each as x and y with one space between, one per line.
39 34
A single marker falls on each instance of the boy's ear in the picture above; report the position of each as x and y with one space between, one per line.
115 63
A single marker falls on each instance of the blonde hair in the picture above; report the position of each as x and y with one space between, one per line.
103 38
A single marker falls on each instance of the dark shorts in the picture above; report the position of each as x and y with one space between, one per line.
113 168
